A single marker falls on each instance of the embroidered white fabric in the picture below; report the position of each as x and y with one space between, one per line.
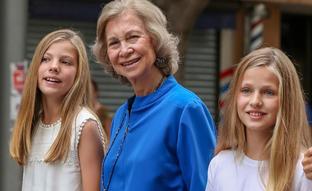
60 176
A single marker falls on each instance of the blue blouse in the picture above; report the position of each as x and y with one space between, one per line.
164 143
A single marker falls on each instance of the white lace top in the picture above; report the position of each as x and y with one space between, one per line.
59 176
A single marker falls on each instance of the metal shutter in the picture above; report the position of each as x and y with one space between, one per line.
201 69
200 64
112 93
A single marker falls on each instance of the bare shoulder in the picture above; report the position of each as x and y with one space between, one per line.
90 140
91 131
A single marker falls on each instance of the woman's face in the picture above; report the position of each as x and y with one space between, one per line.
129 47
258 100
57 70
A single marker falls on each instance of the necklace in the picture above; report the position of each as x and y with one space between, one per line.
118 152
49 125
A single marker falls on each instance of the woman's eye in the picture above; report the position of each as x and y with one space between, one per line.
133 38
113 44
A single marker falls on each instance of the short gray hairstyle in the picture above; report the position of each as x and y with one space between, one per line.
165 43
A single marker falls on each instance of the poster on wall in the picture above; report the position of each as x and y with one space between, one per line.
18 75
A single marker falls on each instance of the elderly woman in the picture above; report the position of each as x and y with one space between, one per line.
163 137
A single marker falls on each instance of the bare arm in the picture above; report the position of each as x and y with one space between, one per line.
307 163
91 154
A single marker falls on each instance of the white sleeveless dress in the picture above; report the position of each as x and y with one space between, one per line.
59 176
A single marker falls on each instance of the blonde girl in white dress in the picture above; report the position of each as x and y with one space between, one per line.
56 137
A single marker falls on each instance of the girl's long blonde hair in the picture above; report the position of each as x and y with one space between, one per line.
31 103
291 132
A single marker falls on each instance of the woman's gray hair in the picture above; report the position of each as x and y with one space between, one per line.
165 43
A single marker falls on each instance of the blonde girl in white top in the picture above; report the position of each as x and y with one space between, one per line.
264 131
56 137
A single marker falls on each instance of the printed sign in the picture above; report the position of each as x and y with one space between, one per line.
18 75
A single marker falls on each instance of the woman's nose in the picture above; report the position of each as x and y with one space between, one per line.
125 50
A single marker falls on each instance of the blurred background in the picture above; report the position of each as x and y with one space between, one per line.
214 35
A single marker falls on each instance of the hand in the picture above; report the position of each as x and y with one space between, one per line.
307 163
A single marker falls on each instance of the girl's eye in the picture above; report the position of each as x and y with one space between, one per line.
44 59
66 62
245 90
269 92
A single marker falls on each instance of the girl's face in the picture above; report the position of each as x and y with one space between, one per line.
258 100
57 70
129 47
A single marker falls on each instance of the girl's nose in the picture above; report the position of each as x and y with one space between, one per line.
54 67
256 100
